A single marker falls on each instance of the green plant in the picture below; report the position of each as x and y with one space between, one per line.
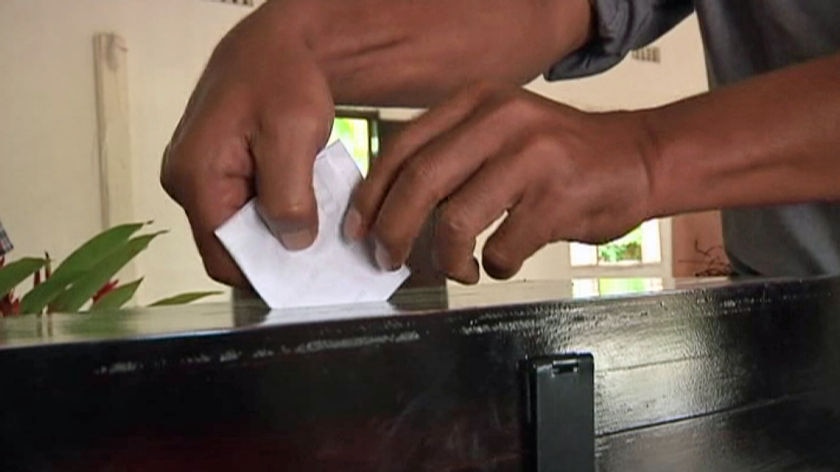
613 253
84 278
625 248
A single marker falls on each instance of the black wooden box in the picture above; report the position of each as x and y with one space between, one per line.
721 376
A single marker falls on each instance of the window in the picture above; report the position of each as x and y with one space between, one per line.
639 246
358 130
643 253
635 262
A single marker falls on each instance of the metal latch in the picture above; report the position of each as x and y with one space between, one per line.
559 412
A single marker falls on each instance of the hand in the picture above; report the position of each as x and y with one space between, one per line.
554 172
258 116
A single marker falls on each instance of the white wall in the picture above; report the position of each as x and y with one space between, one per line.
49 187
49 176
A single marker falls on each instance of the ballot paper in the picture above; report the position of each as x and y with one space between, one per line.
331 271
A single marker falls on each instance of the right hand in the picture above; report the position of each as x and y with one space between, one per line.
495 151
260 113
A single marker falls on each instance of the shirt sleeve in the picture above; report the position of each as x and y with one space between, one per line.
5 241
620 26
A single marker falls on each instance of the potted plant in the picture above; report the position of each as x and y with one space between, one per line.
84 281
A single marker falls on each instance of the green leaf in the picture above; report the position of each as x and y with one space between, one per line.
16 272
117 297
97 248
184 298
76 265
72 299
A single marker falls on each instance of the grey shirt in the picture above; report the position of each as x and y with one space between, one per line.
5 242
742 38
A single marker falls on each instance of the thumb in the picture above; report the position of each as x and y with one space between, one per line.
284 152
292 126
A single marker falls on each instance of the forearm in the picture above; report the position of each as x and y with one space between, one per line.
412 53
773 139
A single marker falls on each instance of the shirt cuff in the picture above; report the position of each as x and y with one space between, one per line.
621 25
604 50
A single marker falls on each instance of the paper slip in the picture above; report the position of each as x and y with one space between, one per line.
332 271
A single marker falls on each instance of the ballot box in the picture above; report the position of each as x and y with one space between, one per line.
713 376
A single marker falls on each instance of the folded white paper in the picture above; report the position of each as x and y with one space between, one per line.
331 271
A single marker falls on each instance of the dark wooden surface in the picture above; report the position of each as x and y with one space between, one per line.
724 377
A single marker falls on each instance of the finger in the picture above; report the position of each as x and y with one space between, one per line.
217 261
284 151
371 192
432 176
210 194
474 207
520 235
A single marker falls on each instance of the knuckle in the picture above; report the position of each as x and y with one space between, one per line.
551 165
401 145
299 119
173 176
296 212
419 175
453 223
541 143
221 274
165 180
484 88
512 105
314 123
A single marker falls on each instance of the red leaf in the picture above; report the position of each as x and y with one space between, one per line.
9 305
105 290
48 266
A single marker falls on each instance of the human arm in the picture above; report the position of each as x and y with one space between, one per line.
264 105
773 139
557 173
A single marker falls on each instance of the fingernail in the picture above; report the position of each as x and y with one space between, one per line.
383 259
297 240
352 224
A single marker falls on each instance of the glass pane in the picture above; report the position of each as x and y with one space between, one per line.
651 243
620 286
355 135
627 248
584 288
583 254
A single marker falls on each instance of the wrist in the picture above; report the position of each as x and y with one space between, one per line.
659 170
276 30
681 159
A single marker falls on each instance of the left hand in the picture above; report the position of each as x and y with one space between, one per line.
554 172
